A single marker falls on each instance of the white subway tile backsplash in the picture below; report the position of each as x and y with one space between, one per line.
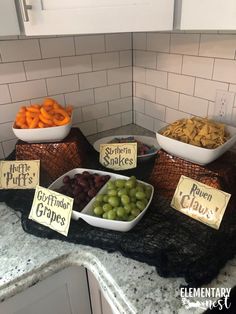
193 105
145 91
139 75
4 94
63 84
145 59
88 127
219 46
156 78
198 66
81 98
88 44
42 68
120 105
19 50
140 41
225 70
103 61
118 41
107 93
207 88
126 90
155 110
8 112
76 64
167 98
12 72
181 83
109 122
144 121
169 62
59 98
6 132
95 111
125 58
27 90
92 79
139 104
126 117
120 75
1 153
77 115
9 146
173 115
158 42
158 124
184 43
57 47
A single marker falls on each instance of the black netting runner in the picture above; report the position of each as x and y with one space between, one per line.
175 244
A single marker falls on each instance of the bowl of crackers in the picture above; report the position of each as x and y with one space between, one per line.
198 140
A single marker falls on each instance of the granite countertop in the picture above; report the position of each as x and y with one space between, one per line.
131 286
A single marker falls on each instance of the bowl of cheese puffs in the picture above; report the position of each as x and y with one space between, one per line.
45 122
198 140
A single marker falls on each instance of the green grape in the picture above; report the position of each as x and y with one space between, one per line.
139 188
111 215
130 184
105 198
98 211
119 183
99 198
131 217
128 208
120 212
111 185
106 207
96 203
122 192
148 193
125 199
140 205
135 212
112 192
145 201
105 216
140 195
113 201
132 192
132 205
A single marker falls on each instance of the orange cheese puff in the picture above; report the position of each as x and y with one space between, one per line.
32 114
24 126
69 110
41 124
65 115
56 106
32 109
46 114
48 102
34 123
22 109
36 106
44 120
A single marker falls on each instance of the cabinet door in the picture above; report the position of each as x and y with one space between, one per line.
205 14
65 292
51 17
8 18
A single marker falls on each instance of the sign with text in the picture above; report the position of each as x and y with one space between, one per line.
119 156
200 201
52 209
19 174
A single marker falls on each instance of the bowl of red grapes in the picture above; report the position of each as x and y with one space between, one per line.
103 199
147 146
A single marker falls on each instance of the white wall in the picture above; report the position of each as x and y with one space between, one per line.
92 73
177 74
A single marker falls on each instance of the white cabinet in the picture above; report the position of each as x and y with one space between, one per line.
205 14
65 292
53 17
8 18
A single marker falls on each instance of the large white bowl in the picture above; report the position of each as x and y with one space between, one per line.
87 213
195 154
43 135
148 140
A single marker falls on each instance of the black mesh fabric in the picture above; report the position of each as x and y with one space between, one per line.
175 244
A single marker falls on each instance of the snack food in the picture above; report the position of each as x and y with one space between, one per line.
48 114
198 132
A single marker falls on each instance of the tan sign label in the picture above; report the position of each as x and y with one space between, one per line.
119 156
52 209
200 201
19 174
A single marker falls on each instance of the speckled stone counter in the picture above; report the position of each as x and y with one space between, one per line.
131 286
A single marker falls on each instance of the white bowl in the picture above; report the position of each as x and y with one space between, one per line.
195 154
43 135
87 214
148 140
